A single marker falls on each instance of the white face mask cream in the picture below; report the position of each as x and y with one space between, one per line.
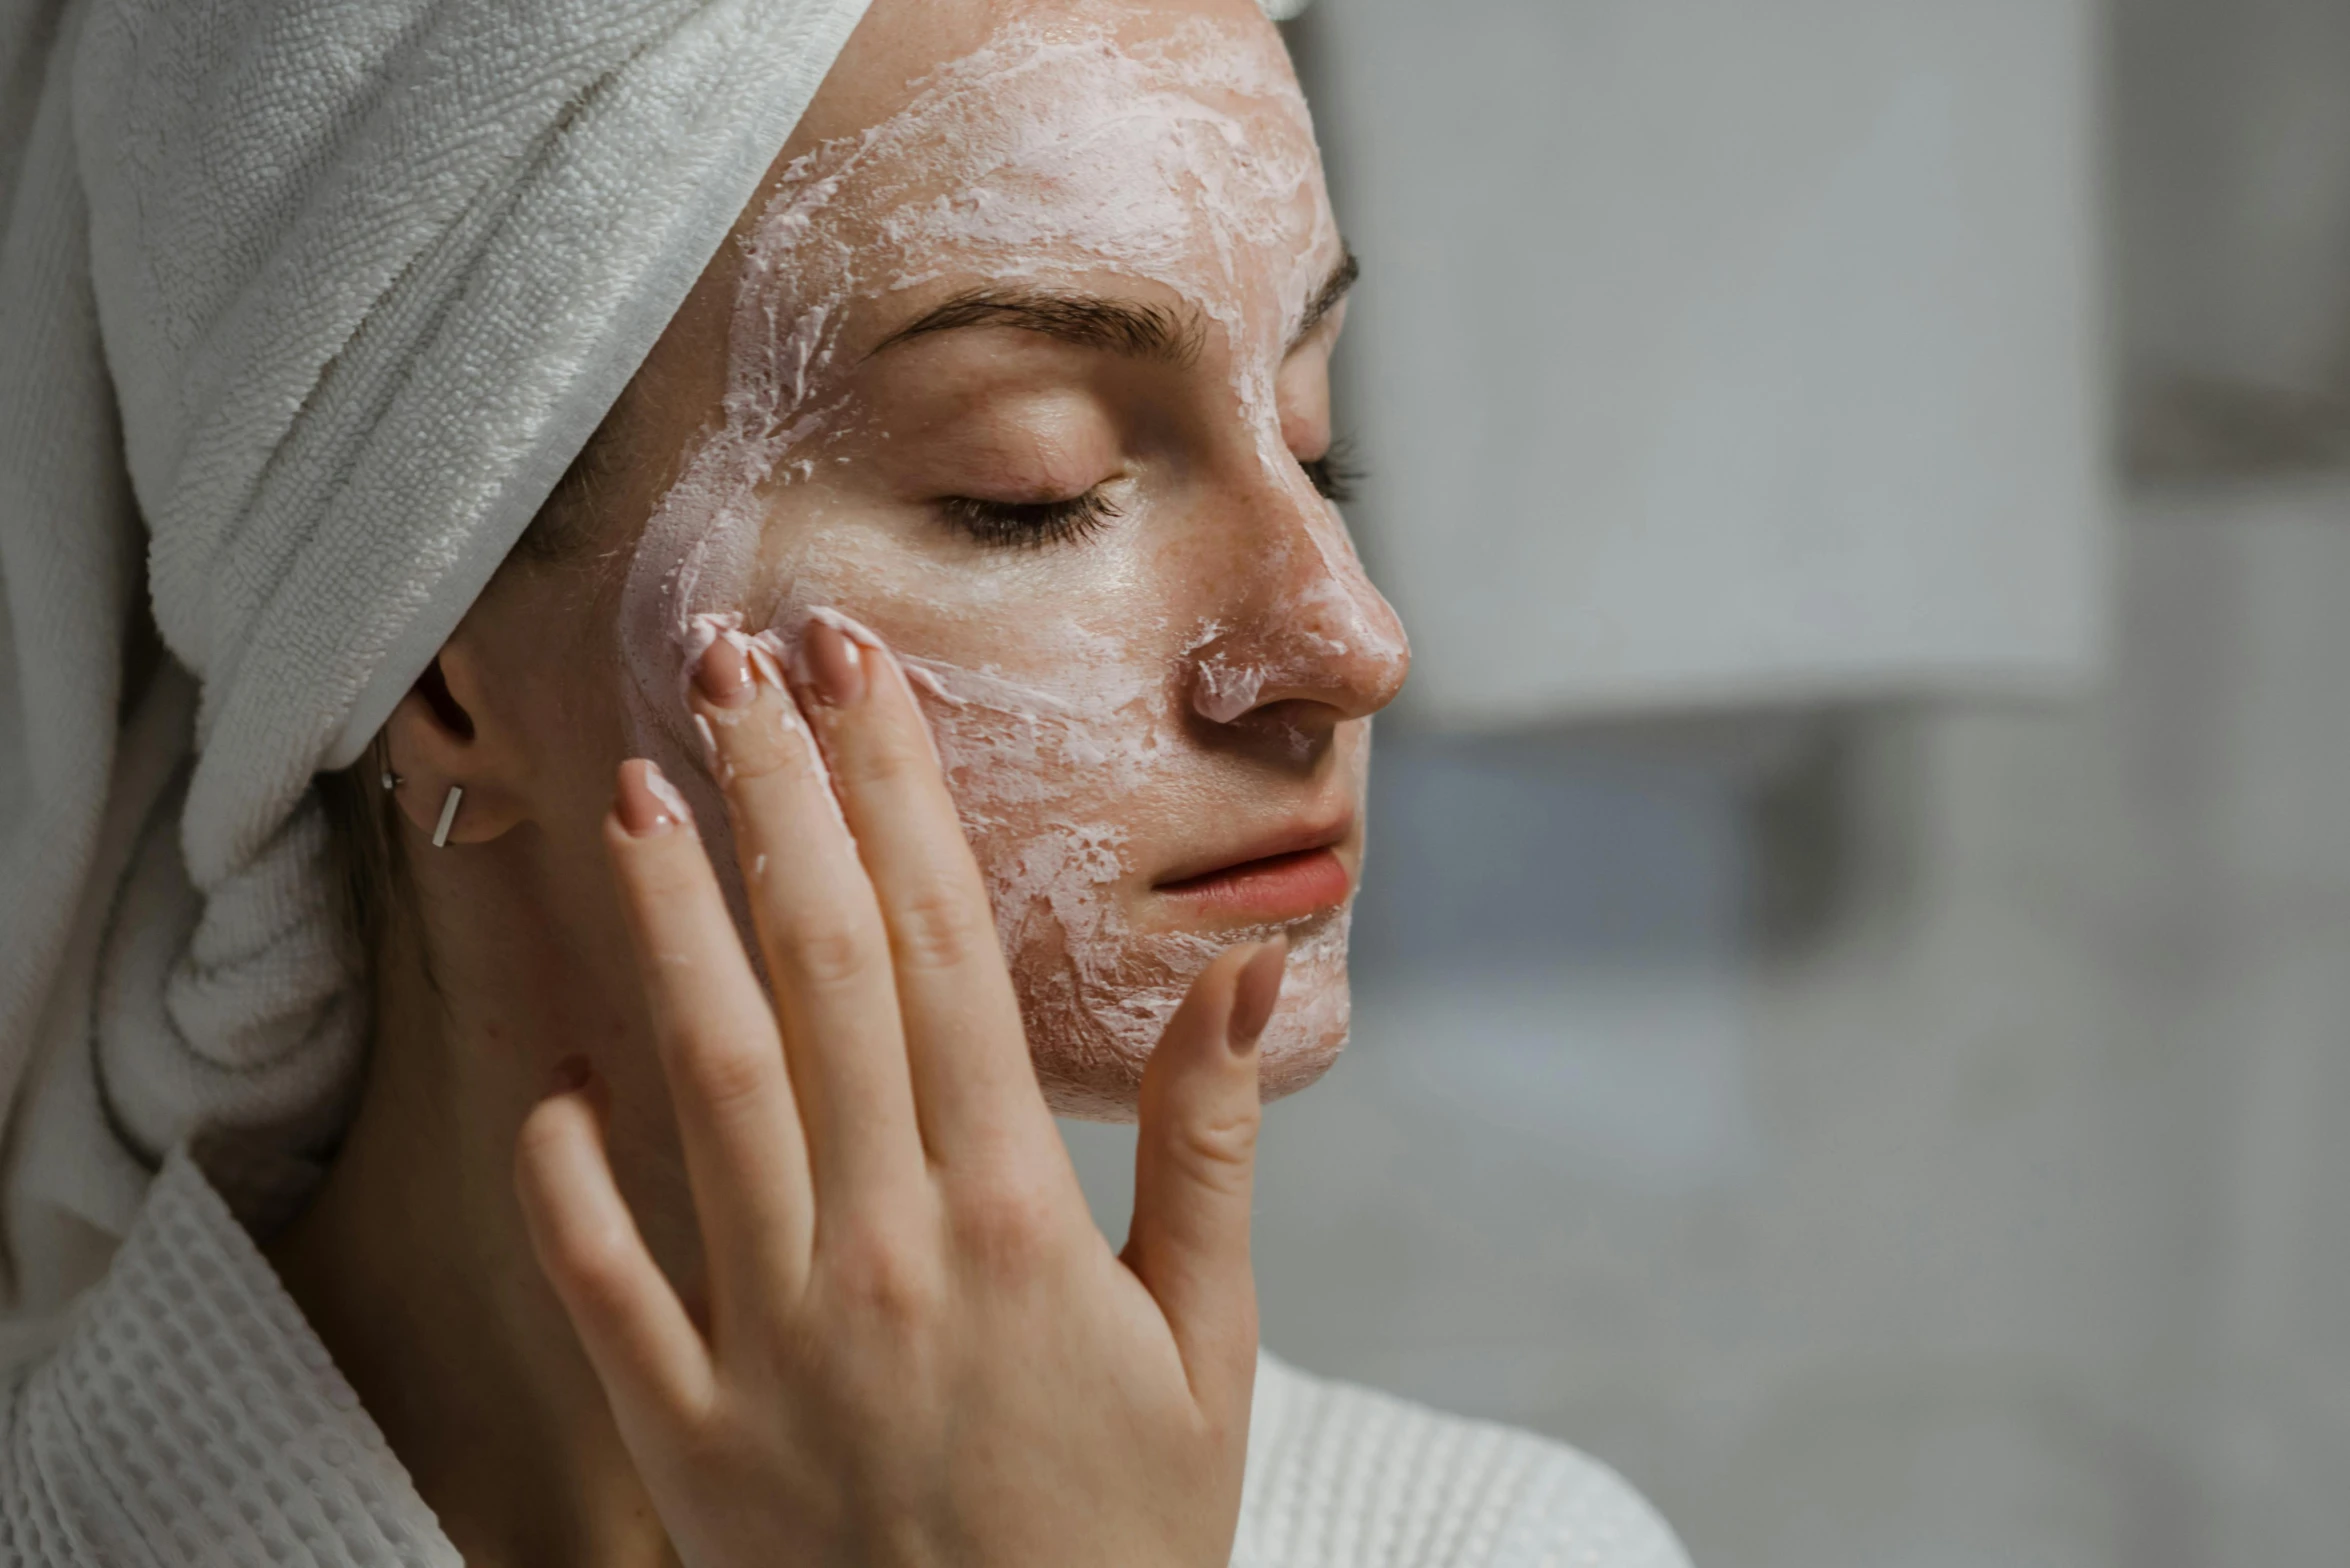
1103 701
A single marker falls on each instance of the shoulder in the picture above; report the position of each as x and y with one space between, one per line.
1341 1476
190 1415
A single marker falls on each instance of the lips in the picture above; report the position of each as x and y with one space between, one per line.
1294 874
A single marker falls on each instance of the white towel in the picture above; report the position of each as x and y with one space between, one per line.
309 303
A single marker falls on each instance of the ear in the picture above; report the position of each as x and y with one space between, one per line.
445 735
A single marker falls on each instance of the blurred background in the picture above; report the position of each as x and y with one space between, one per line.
1854 975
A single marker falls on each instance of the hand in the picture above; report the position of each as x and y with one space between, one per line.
919 1349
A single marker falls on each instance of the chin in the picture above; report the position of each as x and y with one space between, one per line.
1093 1024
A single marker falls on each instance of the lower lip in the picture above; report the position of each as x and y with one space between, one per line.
1278 887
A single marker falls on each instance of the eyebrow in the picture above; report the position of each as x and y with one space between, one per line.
1342 277
1115 326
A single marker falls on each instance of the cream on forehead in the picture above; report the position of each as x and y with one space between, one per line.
1054 152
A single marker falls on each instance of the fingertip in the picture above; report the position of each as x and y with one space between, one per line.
645 1352
554 1133
644 802
1205 1016
835 663
722 676
1256 993
1195 1168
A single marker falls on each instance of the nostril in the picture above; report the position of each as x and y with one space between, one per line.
1352 663
1223 689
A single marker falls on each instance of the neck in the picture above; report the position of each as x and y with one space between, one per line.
413 1266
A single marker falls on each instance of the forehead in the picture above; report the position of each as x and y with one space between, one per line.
1155 149
900 47
1168 145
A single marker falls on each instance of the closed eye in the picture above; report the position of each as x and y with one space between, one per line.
1033 525
1030 525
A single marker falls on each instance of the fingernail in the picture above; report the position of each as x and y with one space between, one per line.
1254 995
767 655
722 675
835 664
646 802
571 1074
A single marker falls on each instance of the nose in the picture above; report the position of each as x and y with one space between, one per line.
1305 626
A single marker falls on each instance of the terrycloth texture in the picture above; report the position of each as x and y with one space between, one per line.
306 305
194 1418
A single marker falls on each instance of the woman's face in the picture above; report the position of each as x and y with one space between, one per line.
1021 363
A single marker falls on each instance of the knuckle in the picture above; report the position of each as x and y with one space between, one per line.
659 877
883 753
727 1074
1217 1152
939 928
888 1286
597 1265
1009 1224
825 952
762 743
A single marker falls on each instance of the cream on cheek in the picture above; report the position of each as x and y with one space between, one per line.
1050 157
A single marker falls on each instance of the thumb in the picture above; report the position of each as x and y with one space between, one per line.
1195 1162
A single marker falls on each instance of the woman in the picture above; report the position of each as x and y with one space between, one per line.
935 695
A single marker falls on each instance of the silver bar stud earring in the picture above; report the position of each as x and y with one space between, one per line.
440 835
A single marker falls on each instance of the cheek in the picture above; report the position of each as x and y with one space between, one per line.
1058 802
1074 766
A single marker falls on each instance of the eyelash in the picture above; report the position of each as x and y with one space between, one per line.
1335 473
1032 525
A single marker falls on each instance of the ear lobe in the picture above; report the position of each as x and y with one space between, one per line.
435 741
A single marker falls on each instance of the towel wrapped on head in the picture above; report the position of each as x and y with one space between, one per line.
305 307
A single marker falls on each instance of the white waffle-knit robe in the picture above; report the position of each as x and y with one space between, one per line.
192 1417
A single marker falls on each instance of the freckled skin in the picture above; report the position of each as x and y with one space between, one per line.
1186 681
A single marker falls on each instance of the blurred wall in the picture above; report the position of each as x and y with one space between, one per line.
1712 353
1902 1135
2231 135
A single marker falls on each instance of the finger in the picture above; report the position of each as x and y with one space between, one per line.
1195 1165
720 1053
974 1090
653 1365
820 932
